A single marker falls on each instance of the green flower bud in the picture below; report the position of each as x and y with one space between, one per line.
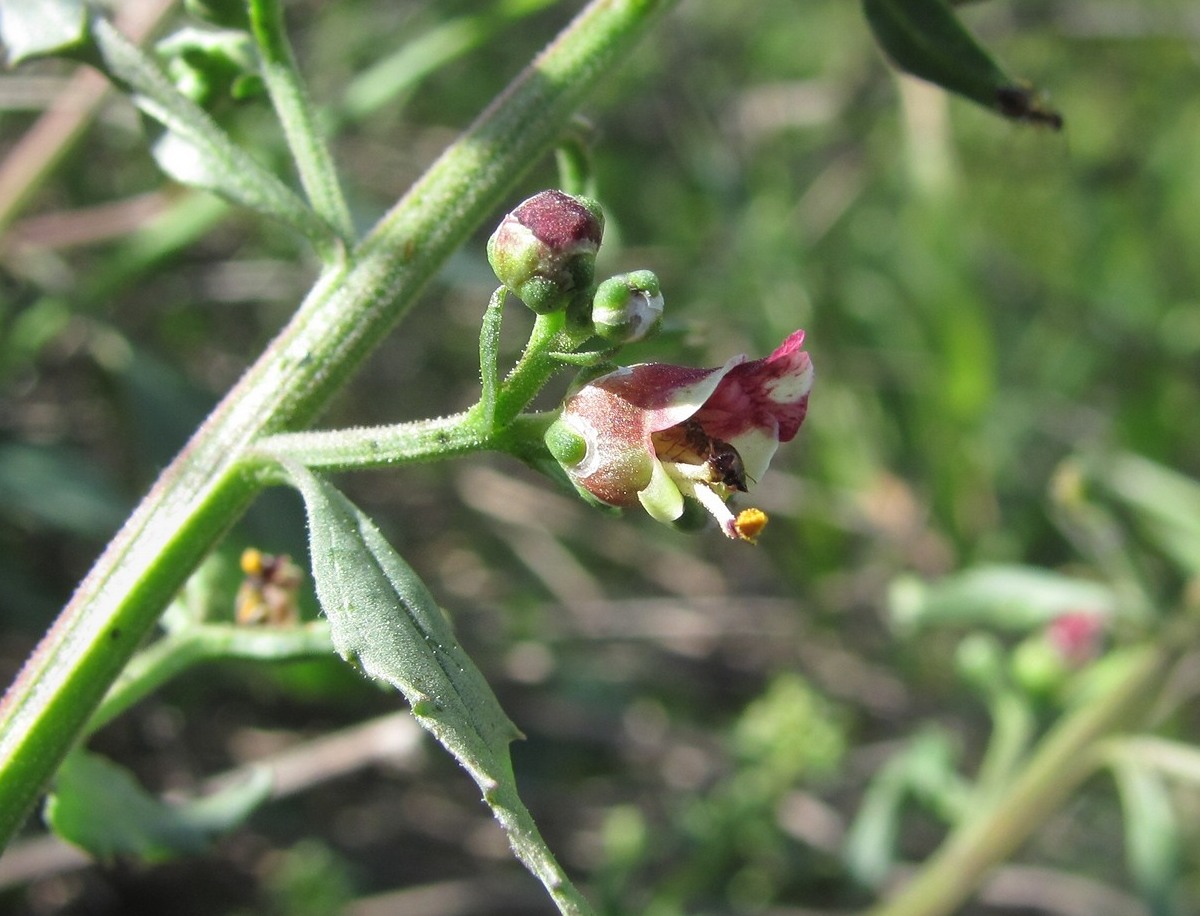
209 65
980 661
545 250
1038 667
628 307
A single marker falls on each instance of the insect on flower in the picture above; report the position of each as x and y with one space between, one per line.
688 443
654 433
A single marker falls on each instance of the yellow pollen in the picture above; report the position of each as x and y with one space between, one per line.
750 523
252 561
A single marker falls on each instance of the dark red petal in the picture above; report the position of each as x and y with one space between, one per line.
747 397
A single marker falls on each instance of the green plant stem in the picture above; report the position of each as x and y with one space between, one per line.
379 446
404 443
206 488
198 152
175 653
1062 760
495 423
1012 728
295 111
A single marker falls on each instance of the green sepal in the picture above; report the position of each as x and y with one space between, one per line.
566 445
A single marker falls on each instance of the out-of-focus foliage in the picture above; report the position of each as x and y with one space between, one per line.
983 300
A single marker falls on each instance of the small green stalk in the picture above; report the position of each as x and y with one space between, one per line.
495 423
177 652
378 446
296 115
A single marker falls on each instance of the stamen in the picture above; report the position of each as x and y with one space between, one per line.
692 480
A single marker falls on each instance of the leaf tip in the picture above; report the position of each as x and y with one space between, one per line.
1020 103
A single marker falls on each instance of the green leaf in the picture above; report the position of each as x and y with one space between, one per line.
924 771
1152 835
384 620
925 38
59 488
100 807
1017 598
1164 503
195 151
36 28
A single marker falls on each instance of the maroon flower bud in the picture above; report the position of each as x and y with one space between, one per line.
545 250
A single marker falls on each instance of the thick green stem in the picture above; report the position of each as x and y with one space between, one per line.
202 493
294 108
1064 758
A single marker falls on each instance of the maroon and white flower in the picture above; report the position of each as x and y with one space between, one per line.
655 433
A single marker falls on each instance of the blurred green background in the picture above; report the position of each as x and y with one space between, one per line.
983 300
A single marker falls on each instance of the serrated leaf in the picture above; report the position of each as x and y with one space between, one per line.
100 807
384 620
926 38
36 28
1018 598
195 151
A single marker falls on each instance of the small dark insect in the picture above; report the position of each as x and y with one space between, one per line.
689 442
1021 104
726 463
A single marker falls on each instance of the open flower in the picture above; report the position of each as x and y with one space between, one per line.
654 433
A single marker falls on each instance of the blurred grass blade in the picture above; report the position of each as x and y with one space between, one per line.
100 807
58 488
1165 504
870 849
401 72
1018 598
35 28
384 621
1152 834
925 38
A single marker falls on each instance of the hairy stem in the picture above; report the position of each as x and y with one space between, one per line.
378 446
294 108
176 653
350 309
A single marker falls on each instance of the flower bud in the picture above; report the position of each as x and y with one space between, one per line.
628 307
210 65
545 250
